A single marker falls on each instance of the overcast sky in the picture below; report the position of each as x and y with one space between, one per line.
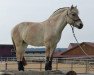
13 12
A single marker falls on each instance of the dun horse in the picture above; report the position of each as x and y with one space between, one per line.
46 33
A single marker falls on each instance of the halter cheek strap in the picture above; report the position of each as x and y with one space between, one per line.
71 18
74 20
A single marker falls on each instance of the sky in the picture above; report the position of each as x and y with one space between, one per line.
13 12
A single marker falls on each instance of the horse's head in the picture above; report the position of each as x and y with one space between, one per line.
73 18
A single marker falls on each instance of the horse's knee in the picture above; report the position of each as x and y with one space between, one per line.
19 57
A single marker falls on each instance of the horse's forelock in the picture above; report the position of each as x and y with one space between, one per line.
74 9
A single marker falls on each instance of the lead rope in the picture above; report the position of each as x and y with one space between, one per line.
78 43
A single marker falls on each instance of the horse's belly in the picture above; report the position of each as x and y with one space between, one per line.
35 42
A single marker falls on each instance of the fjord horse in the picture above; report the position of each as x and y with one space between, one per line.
46 33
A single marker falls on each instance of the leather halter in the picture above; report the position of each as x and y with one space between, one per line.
74 20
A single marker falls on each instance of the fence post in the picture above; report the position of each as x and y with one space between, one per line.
5 65
56 64
40 66
72 65
87 66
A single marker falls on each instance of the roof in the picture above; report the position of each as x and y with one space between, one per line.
57 54
76 46
73 46
90 43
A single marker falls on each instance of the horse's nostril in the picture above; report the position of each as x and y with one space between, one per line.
81 26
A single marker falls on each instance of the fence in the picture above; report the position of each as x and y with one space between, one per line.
63 64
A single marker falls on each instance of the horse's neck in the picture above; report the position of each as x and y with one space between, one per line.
59 22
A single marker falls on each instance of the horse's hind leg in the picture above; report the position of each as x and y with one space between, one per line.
20 56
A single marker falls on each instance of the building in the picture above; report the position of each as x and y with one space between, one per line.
38 54
7 50
74 51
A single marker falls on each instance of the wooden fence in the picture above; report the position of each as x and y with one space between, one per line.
78 65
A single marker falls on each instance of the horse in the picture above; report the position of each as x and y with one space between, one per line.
46 33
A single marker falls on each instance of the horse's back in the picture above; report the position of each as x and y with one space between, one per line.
21 27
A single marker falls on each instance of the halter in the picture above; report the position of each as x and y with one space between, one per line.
74 20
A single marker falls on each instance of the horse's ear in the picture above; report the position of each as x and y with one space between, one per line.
76 6
72 7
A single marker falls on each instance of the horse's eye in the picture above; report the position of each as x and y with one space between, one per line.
73 14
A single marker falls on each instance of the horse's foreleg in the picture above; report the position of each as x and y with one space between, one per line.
51 57
20 55
47 59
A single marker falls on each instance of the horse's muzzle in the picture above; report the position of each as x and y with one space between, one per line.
81 26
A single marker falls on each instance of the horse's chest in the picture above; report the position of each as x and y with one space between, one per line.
56 38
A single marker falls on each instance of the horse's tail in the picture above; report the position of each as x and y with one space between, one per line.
23 60
14 44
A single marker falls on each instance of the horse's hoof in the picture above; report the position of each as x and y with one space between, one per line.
48 68
20 66
21 69
48 65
